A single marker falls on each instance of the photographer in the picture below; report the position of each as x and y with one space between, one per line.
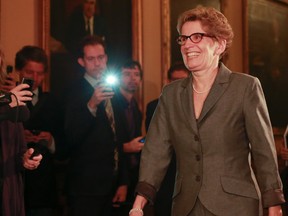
96 173
40 185
14 156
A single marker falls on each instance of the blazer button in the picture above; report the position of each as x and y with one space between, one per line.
196 138
198 178
198 157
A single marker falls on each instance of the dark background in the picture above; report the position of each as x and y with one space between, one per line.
268 54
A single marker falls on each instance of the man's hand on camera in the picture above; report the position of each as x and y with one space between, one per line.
100 94
21 95
133 146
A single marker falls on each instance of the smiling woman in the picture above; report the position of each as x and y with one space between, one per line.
171 9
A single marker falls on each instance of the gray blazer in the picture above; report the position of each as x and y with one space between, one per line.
213 152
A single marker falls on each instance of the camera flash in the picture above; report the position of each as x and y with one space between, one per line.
111 80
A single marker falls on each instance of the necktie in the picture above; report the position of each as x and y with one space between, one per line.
110 115
88 28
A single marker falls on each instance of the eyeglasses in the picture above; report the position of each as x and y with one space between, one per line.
195 38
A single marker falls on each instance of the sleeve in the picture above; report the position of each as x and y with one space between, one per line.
156 154
78 121
264 158
15 114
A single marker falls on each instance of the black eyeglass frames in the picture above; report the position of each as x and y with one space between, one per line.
195 38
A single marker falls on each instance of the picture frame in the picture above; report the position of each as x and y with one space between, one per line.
267 53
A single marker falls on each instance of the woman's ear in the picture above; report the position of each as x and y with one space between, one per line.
220 47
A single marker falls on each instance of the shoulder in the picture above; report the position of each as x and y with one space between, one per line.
177 86
244 79
152 104
78 89
237 78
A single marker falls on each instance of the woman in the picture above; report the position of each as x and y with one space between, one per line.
14 156
215 120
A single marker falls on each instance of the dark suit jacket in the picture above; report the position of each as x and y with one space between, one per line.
212 153
40 184
91 145
76 29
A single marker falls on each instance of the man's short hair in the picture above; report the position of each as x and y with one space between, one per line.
131 64
176 67
90 40
30 53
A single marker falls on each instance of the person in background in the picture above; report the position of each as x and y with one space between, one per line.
214 120
128 119
14 156
40 185
96 170
163 201
82 22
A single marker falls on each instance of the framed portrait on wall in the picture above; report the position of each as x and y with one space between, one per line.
121 21
112 20
267 53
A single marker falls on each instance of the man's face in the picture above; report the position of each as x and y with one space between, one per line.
35 71
89 8
131 79
94 60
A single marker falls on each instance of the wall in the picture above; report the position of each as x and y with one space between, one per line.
18 26
233 10
152 50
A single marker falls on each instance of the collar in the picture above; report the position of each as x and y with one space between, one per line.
36 92
86 19
91 80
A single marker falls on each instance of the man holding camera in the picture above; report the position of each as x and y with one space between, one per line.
96 175
40 185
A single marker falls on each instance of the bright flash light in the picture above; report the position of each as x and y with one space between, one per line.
111 79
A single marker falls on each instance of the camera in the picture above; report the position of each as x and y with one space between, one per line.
35 153
28 81
110 80
35 132
142 140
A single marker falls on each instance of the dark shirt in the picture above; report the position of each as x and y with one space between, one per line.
128 126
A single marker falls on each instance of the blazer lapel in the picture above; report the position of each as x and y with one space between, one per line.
217 90
187 104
